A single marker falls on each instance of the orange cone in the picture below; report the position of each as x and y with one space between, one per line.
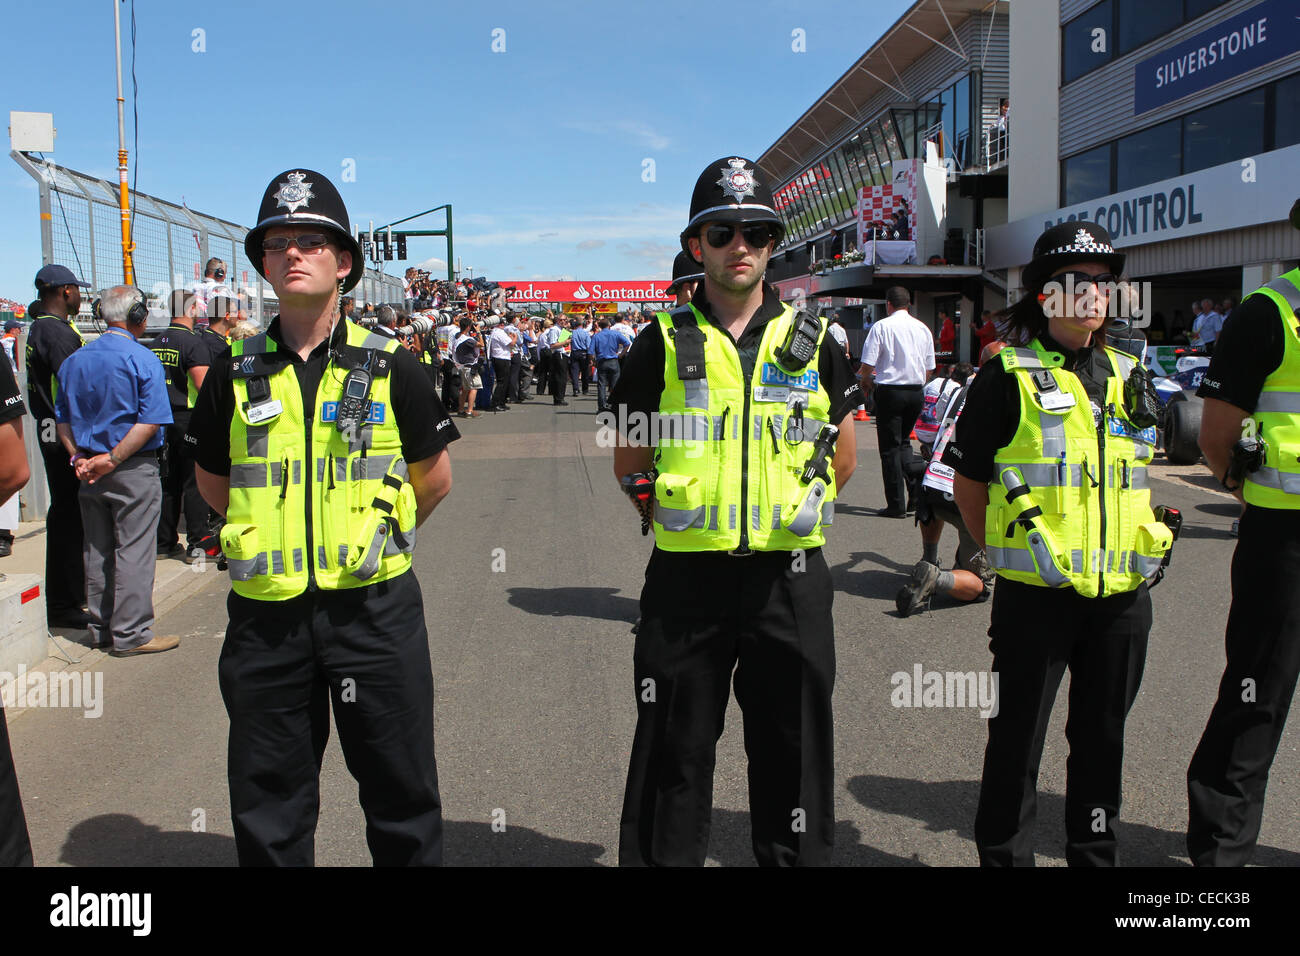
861 416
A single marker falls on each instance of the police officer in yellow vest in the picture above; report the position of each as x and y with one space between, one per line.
733 401
1052 476
325 447
1252 387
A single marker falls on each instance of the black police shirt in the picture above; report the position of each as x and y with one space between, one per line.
640 385
1248 350
216 344
180 349
423 423
49 341
11 400
989 419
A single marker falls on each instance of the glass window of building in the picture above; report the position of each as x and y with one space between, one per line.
1086 176
857 163
1141 21
1224 132
1286 126
906 120
1149 156
1079 43
961 136
1197 7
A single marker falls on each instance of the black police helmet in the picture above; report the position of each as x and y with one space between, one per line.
685 269
729 191
301 197
1061 245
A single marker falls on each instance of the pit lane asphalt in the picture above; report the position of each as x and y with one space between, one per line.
535 710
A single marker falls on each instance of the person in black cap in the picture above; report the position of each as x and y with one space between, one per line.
325 446
1252 376
737 575
52 338
1051 478
687 274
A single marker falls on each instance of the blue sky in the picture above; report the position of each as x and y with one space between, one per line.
539 149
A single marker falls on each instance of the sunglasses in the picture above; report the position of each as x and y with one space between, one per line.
220 274
311 242
1082 279
719 235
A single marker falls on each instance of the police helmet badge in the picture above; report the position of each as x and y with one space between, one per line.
294 193
737 179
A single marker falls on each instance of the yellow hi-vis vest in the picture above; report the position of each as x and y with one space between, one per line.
1070 505
729 452
1277 413
311 506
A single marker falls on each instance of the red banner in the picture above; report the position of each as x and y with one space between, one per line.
630 290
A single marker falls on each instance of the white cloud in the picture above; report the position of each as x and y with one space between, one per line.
590 244
643 134
432 265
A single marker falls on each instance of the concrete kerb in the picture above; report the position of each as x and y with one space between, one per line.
175 582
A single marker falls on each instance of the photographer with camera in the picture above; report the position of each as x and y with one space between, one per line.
467 352
1248 434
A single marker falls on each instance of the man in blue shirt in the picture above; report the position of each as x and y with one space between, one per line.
112 398
606 346
579 356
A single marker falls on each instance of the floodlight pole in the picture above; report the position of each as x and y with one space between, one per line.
124 198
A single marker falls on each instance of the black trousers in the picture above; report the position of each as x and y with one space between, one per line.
516 378
543 371
558 372
366 652
897 407
15 847
1036 634
580 368
703 617
65 572
501 387
179 490
1229 771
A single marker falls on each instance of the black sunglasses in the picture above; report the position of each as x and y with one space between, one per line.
307 242
720 234
1082 279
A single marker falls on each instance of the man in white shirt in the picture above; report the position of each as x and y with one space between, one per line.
501 344
898 356
1207 326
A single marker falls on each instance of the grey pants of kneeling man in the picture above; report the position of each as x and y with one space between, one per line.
120 515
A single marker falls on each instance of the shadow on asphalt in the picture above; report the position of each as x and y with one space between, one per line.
118 839
477 844
1203 532
603 604
1227 509
950 806
881 583
729 844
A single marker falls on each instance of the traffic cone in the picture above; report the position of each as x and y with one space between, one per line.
861 415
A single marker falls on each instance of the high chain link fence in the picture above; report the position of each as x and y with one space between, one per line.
81 229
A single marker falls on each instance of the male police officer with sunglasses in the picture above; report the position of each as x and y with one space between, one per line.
325 447
744 473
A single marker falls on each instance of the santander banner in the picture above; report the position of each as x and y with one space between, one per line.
631 290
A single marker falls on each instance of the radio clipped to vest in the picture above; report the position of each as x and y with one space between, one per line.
801 343
354 405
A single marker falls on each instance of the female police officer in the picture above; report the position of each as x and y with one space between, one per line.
1051 475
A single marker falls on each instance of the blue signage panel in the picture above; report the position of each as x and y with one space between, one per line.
1264 33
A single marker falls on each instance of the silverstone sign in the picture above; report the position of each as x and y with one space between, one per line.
1235 195
1260 35
632 290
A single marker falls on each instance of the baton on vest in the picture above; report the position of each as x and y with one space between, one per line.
800 519
1041 546
383 524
